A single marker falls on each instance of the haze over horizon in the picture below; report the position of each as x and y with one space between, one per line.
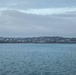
31 18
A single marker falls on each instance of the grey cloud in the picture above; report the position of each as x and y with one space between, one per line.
27 4
15 23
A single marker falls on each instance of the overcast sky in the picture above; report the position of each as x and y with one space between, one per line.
25 18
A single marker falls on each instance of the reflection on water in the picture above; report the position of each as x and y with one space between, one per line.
37 59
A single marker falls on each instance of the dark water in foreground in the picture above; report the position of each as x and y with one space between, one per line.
37 59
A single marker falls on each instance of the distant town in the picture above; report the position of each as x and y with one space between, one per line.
38 40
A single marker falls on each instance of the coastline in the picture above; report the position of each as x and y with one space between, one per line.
38 40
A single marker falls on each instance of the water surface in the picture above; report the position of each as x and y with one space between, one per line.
37 59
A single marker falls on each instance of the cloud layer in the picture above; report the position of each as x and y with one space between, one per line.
16 23
25 18
29 4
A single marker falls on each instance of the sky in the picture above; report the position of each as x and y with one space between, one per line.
32 18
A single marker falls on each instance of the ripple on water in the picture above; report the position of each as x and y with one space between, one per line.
49 59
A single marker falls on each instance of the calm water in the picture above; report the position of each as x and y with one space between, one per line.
37 59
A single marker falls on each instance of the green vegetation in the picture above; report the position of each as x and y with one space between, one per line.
38 40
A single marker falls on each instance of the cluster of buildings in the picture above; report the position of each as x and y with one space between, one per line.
38 40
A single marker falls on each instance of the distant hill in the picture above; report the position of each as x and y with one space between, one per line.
38 40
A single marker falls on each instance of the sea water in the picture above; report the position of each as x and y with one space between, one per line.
37 59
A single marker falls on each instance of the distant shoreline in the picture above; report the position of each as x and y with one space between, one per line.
39 40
